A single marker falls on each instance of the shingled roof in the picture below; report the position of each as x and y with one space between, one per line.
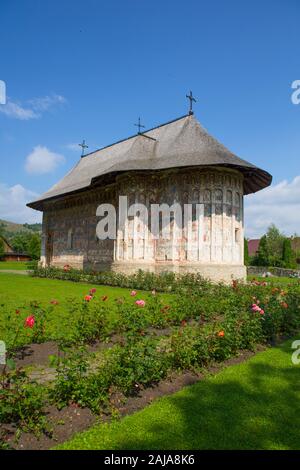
176 144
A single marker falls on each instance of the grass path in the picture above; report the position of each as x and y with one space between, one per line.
15 265
253 405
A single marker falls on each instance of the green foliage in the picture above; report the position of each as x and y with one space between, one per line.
27 243
1 247
33 227
288 256
22 402
275 250
197 325
138 364
245 406
246 252
262 257
143 280
275 243
72 365
34 246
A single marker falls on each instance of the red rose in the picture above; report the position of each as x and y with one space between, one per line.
29 322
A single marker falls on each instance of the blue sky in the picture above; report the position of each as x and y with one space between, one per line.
88 69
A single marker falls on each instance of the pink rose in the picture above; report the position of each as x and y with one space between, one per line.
140 303
255 308
133 293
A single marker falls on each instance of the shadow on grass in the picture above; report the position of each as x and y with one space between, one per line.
254 405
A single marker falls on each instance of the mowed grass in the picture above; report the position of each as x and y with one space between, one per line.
276 281
253 405
18 291
16 265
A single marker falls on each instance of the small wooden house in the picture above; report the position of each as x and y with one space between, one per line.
11 255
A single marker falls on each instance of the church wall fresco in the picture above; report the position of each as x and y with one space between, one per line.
212 241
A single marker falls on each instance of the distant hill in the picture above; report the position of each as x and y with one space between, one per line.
12 227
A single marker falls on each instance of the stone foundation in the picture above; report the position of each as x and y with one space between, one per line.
212 272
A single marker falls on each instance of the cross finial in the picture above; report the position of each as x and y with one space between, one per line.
139 125
192 99
83 146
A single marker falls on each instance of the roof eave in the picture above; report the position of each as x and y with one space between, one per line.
255 179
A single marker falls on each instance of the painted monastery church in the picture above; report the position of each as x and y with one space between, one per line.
177 162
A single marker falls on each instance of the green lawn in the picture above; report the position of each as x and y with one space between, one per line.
254 405
17 291
18 265
283 281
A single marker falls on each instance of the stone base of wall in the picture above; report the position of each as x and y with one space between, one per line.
213 272
75 261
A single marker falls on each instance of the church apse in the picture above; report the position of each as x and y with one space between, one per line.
208 237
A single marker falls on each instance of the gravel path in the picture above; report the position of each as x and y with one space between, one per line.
15 271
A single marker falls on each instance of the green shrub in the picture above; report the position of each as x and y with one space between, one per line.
22 402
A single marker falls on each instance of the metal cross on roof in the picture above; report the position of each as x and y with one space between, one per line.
139 125
83 146
192 99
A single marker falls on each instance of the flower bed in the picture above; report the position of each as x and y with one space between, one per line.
156 334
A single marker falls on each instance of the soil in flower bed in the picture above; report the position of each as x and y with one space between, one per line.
64 423
73 419
38 354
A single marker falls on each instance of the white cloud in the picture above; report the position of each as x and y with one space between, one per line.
17 111
278 204
13 202
41 160
32 109
74 147
47 102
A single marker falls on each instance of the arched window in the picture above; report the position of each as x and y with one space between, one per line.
207 195
218 195
229 196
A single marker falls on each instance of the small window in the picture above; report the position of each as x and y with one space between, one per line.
237 235
70 242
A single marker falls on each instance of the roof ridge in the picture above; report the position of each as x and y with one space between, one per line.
136 135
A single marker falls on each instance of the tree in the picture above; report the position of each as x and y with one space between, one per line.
262 257
1 247
1 241
246 252
20 242
34 246
27 243
275 245
288 255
